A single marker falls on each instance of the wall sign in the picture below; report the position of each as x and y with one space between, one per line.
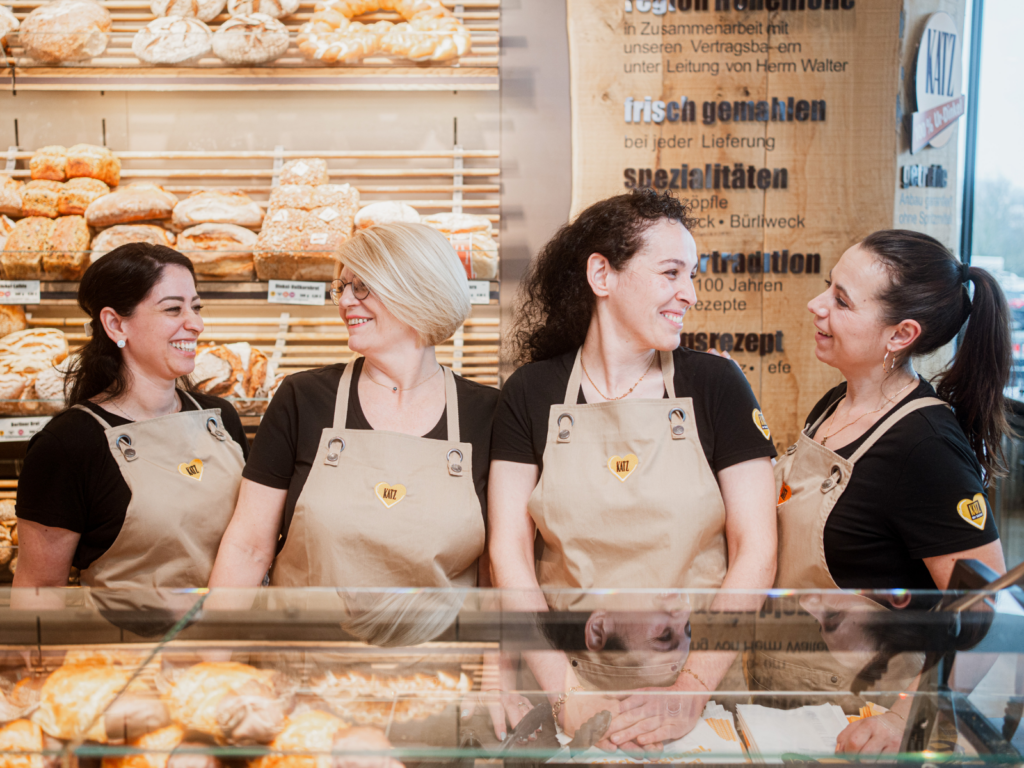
937 83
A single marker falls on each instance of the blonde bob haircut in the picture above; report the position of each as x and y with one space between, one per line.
415 273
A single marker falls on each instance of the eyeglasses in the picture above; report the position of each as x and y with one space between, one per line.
359 289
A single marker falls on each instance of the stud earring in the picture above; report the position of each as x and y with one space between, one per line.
120 343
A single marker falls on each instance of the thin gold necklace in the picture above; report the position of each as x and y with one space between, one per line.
889 401
132 418
396 390
602 394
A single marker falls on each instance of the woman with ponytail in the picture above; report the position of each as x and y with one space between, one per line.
136 481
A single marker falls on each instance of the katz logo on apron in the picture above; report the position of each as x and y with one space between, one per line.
390 494
974 511
623 466
761 424
193 469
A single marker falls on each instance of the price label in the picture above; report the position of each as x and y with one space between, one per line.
479 291
19 292
21 427
297 292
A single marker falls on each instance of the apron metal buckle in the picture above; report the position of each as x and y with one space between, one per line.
791 450
124 444
333 455
678 430
213 427
455 468
833 480
564 435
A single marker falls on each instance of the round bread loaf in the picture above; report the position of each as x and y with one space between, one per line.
255 38
458 223
386 213
134 202
45 344
66 30
109 239
204 10
9 22
49 383
219 251
273 8
12 318
172 40
215 206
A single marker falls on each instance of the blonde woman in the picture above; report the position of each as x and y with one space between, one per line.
373 473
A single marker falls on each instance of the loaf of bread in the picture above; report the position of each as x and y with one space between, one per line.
68 255
273 8
133 202
217 207
281 250
50 163
250 39
41 198
12 318
47 345
49 385
75 195
217 369
23 253
8 23
478 253
109 239
204 10
306 170
219 251
386 213
304 197
172 40
91 161
66 30
10 196
458 223
6 227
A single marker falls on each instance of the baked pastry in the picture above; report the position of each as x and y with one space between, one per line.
75 195
68 255
204 10
21 736
386 213
428 38
318 735
219 251
458 223
50 163
275 9
217 369
47 345
248 39
332 38
41 198
133 202
12 318
118 235
369 699
172 40
6 227
94 162
10 196
66 30
306 170
478 253
74 698
23 253
8 23
217 207
162 740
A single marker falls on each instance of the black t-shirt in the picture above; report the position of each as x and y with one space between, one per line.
901 503
71 480
723 405
303 407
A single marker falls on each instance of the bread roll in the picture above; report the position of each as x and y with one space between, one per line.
41 198
94 162
458 223
133 202
217 207
306 170
109 239
386 213
172 40
275 9
219 251
6 227
48 346
204 10
12 318
23 253
8 23
75 195
21 736
65 30
250 39
10 196
50 163
69 250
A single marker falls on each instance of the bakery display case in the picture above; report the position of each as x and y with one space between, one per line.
322 677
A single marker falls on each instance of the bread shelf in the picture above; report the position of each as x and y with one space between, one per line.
117 69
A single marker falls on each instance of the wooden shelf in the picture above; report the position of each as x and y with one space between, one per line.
117 69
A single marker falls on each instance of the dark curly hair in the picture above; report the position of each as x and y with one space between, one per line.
555 299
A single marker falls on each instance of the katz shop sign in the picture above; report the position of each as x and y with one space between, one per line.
937 83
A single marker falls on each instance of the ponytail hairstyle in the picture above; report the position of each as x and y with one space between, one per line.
119 280
556 300
930 286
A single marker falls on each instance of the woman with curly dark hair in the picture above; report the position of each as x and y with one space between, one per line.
641 464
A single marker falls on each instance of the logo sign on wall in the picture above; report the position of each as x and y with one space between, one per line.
937 82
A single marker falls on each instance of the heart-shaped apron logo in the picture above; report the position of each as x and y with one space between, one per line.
193 469
761 424
974 511
623 466
389 495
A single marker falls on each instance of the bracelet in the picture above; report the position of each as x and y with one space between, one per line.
693 674
560 701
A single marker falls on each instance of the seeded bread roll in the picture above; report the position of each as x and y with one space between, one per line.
172 40
69 250
50 163
217 207
297 196
66 30
41 198
250 39
109 239
10 196
23 252
76 195
133 202
219 251
204 10
307 170
91 161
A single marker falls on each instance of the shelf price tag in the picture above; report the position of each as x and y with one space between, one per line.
19 292
21 427
297 292
479 291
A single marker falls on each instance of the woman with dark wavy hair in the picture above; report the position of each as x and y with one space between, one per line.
640 464
148 472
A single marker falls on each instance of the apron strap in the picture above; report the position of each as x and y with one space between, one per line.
914 405
572 390
100 419
341 403
824 415
668 373
451 400
194 401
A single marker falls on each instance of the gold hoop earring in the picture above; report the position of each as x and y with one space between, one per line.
884 359
892 367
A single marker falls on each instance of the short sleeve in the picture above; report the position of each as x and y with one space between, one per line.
57 505
272 458
233 424
741 432
939 504
512 434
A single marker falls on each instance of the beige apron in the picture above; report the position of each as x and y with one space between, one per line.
383 509
184 471
810 478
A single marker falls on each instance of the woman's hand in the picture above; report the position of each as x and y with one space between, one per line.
506 709
652 716
580 707
878 735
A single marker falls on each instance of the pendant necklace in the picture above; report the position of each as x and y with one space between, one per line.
396 390
888 401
